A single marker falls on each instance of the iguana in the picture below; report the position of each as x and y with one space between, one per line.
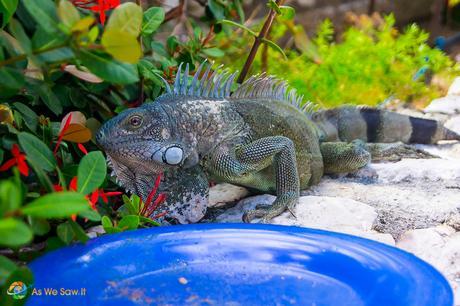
257 136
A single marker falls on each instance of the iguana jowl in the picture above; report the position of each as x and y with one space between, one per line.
257 137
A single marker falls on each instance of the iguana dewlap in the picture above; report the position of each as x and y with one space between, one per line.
258 137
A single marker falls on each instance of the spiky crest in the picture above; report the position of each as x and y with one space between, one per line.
220 82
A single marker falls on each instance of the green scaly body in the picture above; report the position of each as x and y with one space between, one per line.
257 137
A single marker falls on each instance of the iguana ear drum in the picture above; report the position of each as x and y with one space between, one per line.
170 156
173 156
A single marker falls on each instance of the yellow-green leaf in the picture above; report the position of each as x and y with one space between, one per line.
275 47
67 13
126 18
241 26
6 115
83 24
122 46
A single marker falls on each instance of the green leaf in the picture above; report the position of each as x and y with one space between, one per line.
53 243
14 233
42 177
106 222
109 69
274 6
67 12
217 9
65 232
239 8
241 26
43 12
91 172
158 48
39 226
149 71
78 231
153 17
213 52
18 32
171 43
57 205
37 151
275 47
130 207
126 18
29 116
6 268
129 222
11 80
7 9
287 12
122 46
42 40
10 196
148 220
91 215
49 98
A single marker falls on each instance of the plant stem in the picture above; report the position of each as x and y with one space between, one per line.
21 57
252 54
371 7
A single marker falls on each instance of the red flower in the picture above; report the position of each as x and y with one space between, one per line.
82 148
19 159
99 6
94 196
148 208
61 134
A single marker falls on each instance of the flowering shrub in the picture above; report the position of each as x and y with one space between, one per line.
62 73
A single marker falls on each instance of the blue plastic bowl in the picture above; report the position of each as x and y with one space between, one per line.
236 264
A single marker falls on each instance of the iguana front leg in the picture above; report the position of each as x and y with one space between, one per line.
266 164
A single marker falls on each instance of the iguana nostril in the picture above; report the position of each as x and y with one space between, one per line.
173 155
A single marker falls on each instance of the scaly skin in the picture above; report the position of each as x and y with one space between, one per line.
253 138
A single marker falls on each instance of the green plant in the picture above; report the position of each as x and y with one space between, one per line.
61 74
371 63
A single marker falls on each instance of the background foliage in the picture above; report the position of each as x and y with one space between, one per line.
62 73
370 63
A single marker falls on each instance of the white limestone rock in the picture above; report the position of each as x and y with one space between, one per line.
453 124
417 170
449 104
454 88
224 193
446 105
439 246
327 213
95 231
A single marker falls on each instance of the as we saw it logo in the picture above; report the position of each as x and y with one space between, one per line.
17 290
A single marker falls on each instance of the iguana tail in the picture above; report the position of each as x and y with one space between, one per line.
373 125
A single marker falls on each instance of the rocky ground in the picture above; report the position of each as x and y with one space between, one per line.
413 204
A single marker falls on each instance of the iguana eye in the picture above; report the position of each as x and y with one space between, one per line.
135 121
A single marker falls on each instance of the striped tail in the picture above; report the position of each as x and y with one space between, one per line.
373 125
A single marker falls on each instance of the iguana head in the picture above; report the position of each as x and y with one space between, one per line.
139 142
